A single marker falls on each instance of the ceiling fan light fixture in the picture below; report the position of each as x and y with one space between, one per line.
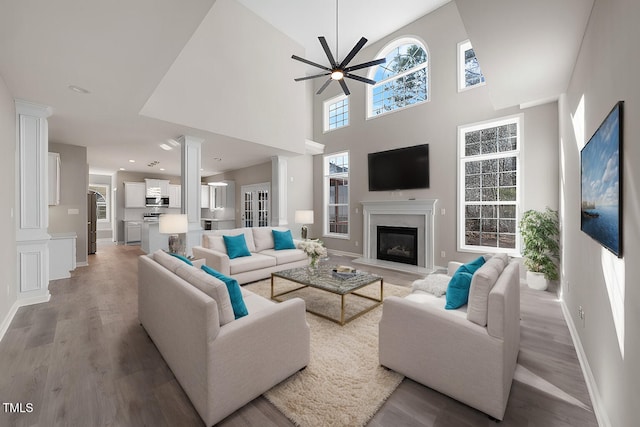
337 75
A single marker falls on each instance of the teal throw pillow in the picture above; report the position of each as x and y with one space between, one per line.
185 259
282 240
458 290
236 246
237 302
473 266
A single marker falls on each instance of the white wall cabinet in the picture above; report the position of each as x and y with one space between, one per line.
205 196
157 187
175 196
134 194
54 179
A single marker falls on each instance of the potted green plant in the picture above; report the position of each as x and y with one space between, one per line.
541 251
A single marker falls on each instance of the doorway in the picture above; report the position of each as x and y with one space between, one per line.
256 204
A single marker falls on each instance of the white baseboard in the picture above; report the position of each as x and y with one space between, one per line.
598 406
82 264
342 253
4 326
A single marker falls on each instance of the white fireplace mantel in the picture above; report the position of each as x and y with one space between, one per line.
421 208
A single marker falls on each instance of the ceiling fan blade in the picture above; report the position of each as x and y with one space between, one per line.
353 52
365 65
327 51
324 86
306 61
345 89
299 79
360 79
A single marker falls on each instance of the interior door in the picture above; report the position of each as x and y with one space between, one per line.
256 205
92 222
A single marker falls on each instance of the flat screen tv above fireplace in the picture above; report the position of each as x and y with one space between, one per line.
399 169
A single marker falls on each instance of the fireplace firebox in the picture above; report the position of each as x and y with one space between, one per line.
397 244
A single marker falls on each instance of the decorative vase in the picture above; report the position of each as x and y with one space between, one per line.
537 281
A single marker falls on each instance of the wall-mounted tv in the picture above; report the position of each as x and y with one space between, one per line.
601 181
400 169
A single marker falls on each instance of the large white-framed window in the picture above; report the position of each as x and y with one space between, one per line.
336 195
103 208
336 112
489 175
402 81
469 72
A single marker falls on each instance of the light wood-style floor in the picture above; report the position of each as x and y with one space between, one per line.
84 360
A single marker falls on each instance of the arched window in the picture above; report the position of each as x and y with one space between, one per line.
403 80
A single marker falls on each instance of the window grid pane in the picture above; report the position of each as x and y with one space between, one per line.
490 186
472 73
339 114
337 190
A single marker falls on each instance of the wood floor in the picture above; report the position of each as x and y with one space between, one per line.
83 360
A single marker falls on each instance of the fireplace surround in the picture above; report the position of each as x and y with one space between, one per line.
400 213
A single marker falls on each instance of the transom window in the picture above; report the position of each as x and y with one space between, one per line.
336 195
402 81
336 112
489 176
469 72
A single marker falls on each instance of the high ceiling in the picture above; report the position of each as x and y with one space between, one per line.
134 58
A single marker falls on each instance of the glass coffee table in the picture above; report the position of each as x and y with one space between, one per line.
324 278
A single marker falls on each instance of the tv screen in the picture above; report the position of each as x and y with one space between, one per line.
400 169
600 174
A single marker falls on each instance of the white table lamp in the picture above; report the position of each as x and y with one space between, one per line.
304 217
174 225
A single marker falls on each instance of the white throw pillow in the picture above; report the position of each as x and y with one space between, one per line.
215 242
435 284
263 238
211 286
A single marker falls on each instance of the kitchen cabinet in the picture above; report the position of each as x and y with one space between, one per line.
134 194
54 179
157 187
132 231
205 197
175 196
62 255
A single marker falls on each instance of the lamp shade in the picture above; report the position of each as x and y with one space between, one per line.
173 223
304 217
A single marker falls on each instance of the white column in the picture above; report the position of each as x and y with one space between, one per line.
191 155
279 191
32 210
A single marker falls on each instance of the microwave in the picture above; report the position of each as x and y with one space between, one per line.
161 202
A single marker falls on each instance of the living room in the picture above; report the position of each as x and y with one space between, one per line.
600 311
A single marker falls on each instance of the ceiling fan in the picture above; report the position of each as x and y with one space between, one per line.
339 70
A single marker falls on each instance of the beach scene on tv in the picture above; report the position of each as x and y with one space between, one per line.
600 164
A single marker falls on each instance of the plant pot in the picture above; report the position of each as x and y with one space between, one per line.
537 281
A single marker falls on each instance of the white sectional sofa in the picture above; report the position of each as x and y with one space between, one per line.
222 363
264 258
468 353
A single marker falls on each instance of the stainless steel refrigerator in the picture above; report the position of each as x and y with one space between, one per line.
92 219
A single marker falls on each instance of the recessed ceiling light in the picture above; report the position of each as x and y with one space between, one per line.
161 169
78 89
122 169
132 161
166 147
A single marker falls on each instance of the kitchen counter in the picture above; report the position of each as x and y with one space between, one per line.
62 255
218 224
152 239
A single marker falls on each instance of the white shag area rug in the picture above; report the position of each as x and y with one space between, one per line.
344 384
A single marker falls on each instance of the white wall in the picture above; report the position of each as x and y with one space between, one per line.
435 123
605 72
8 285
74 175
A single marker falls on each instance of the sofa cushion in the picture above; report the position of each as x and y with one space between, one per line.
439 303
236 246
182 258
214 241
285 256
481 284
282 240
167 261
211 286
262 238
250 263
237 303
